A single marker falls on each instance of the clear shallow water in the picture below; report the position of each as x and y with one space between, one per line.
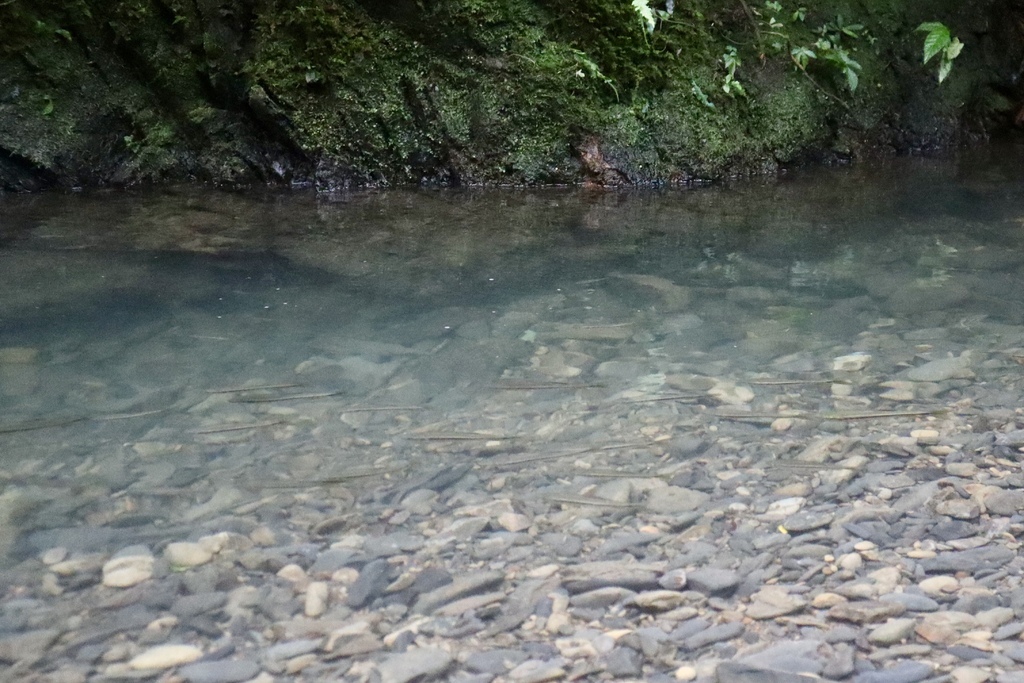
124 314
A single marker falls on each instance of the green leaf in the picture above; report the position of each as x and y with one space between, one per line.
802 56
48 106
851 79
936 39
699 94
953 51
944 68
646 14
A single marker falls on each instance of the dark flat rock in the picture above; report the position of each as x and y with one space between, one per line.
715 634
225 671
976 560
742 672
904 672
711 581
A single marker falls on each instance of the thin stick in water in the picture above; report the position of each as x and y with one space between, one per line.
238 428
262 387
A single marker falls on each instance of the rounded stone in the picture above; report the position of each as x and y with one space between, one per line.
892 632
186 554
939 585
686 673
317 594
165 656
128 570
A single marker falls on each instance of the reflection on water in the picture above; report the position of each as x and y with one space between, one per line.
128 320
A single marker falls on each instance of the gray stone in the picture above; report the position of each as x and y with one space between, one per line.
954 529
688 628
795 657
976 560
224 671
602 597
462 587
192 605
1005 503
372 580
26 646
673 499
422 664
624 541
1015 652
892 632
715 634
742 672
392 544
333 559
942 369
972 603
711 581
841 664
912 601
291 648
1007 631
1012 439
866 611
967 653
579 578
495 662
904 672
563 545
808 520
624 662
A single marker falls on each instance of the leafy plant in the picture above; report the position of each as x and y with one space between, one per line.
730 85
588 68
646 14
699 93
939 41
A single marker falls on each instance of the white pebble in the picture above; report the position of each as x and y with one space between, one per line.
292 573
186 554
129 570
317 594
165 656
686 673
939 585
513 521
54 555
851 561
854 362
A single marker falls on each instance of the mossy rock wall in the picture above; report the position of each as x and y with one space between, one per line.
353 92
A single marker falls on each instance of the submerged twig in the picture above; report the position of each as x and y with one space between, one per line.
793 382
354 473
45 423
528 386
379 409
238 428
459 436
682 398
570 499
262 387
509 462
832 416
127 416
290 397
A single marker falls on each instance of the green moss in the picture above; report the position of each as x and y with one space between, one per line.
480 91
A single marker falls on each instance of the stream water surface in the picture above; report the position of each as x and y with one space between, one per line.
294 370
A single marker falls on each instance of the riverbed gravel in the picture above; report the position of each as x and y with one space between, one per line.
634 479
577 521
